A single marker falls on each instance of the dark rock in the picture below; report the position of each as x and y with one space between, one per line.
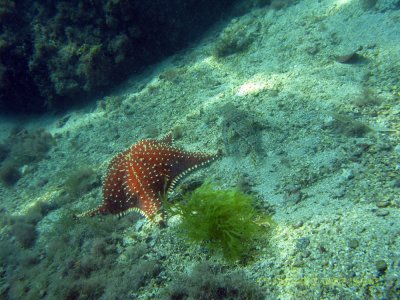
56 53
349 58
382 212
353 243
381 266
298 224
383 203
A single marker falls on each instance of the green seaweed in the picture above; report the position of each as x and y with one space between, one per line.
81 181
222 220
368 98
348 126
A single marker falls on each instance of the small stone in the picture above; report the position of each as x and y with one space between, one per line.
349 58
382 212
347 174
383 203
322 249
298 224
353 243
381 266
312 50
298 262
302 243
351 274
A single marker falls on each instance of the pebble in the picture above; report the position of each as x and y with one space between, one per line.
381 265
347 174
298 224
382 212
383 203
353 243
348 58
312 50
322 249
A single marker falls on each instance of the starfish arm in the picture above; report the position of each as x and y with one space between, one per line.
138 177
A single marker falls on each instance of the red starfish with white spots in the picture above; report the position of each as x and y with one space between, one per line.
138 177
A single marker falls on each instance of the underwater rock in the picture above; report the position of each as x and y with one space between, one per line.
54 54
349 58
381 266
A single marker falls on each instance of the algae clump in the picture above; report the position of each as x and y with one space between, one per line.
223 220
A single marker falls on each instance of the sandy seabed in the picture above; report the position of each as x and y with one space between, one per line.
304 102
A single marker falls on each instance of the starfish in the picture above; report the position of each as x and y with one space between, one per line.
139 177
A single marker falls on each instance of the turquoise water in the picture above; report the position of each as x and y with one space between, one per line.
289 108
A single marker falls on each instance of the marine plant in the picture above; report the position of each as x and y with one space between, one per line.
81 181
222 220
348 126
206 281
9 174
368 97
22 148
